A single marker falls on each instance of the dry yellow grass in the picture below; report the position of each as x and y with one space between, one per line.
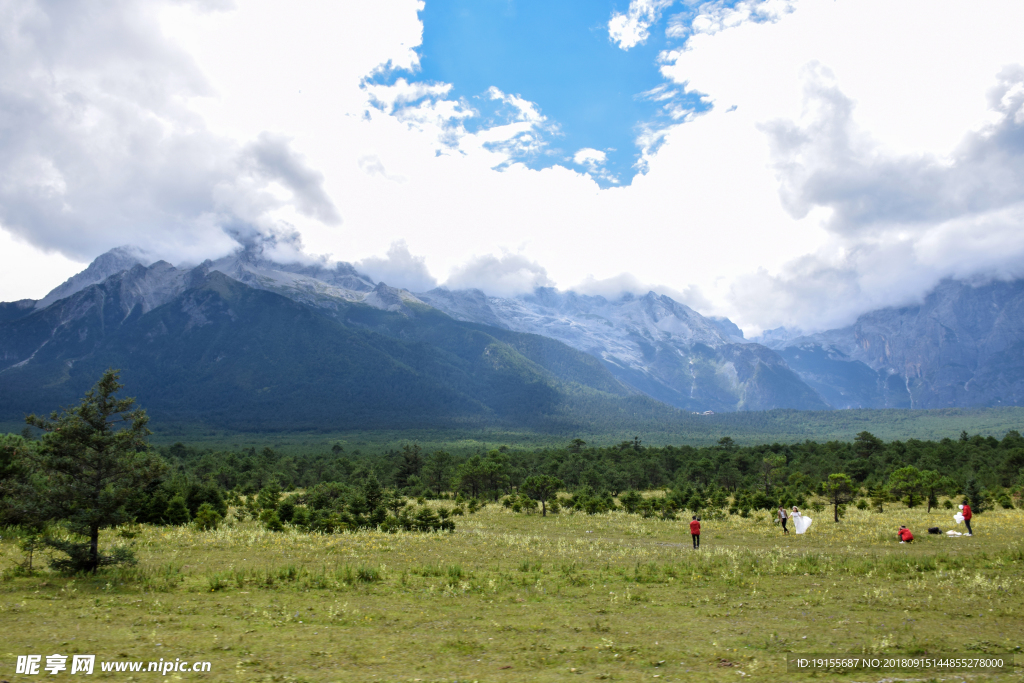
513 597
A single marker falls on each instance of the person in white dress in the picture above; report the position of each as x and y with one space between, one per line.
800 523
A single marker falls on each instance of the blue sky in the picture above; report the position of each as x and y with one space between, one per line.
558 55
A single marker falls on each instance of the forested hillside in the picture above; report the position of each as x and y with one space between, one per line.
224 355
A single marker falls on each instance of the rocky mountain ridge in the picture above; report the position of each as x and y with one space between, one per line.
651 343
961 347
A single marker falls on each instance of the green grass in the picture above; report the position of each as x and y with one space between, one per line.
514 597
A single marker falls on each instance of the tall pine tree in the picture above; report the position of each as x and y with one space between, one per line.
92 460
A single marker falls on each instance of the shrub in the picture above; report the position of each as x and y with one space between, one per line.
300 517
631 501
79 558
368 575
207 518
286 509
271 521
269 497
177 512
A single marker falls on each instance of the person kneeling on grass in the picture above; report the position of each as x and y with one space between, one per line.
904 535
695 532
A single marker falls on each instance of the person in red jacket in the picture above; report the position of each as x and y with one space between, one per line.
967 518
695 532
904 535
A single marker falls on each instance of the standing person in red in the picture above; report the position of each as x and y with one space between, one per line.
904 535
695 532
967 518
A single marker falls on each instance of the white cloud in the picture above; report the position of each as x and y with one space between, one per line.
714 17
589 157
593 160
773 206
399 269
826 160
505 275
615 287
99 147
900 222
630 28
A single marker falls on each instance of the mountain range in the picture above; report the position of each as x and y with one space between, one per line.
245 342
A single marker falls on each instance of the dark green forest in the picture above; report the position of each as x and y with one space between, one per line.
764 474
869 461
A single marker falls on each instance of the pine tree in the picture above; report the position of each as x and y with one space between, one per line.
177 513
207 518
92 460
975 495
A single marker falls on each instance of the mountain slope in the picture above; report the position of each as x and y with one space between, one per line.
652 343
963 346
212 350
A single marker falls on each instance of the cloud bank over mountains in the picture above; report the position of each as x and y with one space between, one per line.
99 145
839 162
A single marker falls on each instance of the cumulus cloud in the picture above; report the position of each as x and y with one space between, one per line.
399 269
714 17
516 129
591 158
631 28
866 199
505 275
594 161
272 159
98 145
899 223
825 160
617 286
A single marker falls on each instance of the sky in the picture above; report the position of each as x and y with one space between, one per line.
779 162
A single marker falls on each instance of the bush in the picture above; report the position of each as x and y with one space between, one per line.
326 522
269 497
631 501
286 509
207 518
177 512
300 517
79 559
862 504
271 521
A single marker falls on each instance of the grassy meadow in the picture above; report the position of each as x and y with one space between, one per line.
516 597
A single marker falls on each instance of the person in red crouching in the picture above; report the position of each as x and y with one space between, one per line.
695 532
967 518
904 535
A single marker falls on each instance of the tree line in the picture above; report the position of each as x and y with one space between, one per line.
91 467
